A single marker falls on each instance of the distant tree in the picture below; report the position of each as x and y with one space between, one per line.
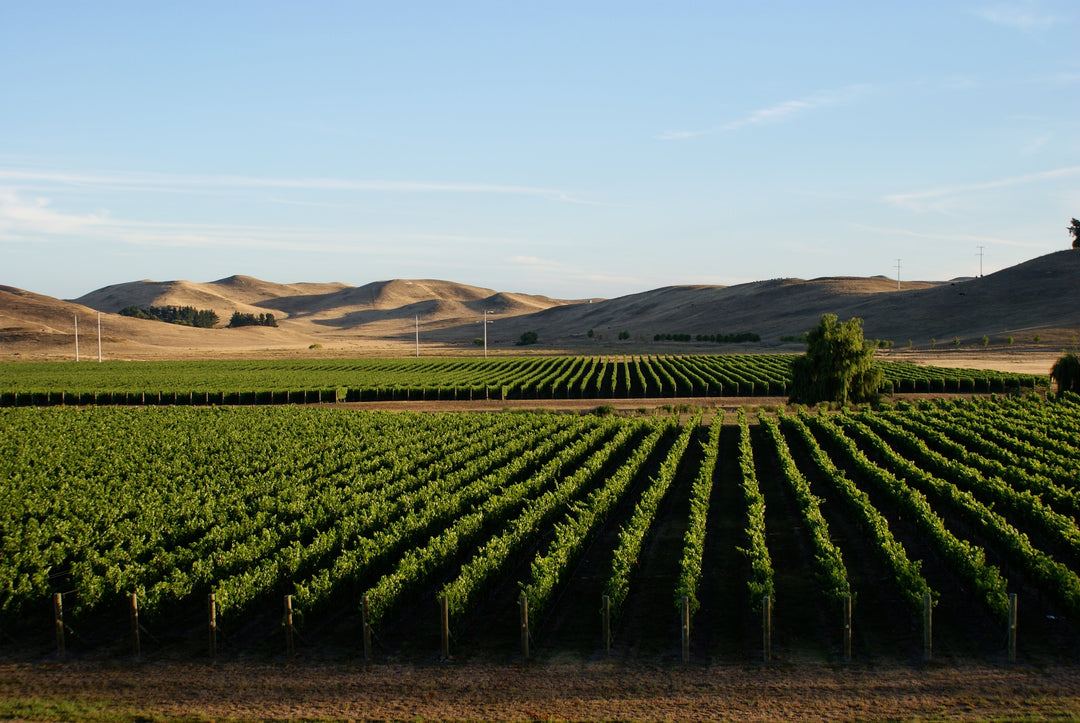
624 335
239 319
1066 372
529 337
182 315
1074 231
838 365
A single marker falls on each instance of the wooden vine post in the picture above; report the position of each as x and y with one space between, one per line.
766 627
928 627
134 606
1012 627
685 629
211 604
847 627
524 604
606 616
444 625
58 616
367 627
290 646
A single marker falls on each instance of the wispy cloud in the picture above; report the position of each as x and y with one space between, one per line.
776 113
1026 16
181 182
35 221
934 198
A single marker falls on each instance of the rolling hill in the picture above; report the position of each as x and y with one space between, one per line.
1039 297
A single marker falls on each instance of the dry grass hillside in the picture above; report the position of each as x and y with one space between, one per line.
1037 298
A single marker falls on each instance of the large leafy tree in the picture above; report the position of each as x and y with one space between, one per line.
1066 372
838 365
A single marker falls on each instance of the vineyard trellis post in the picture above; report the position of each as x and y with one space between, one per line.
58 616
606 615
1012 627
524 604
366 607
766 627
685 629
134 606
847 627
928 625
444 625
289 643
211 603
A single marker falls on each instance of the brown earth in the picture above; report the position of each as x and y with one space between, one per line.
592 691
1033 304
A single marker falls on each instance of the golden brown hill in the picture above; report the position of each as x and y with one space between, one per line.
1039 297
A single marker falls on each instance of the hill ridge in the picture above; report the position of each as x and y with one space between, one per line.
1037 297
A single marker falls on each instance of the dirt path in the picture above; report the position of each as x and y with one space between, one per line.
573 691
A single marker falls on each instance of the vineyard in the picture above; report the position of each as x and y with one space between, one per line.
363 380
512 533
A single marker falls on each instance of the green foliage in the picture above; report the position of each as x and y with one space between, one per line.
837 367
315 346
956 341
1066 372
740 337
529 337
623 335
239 319
985 341
182 315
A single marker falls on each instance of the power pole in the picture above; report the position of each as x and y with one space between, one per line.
99 337
898 274
76 337
980 255
486 312
418 336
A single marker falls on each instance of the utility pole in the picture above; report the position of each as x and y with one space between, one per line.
417 336
76 337
99 337
980 255
898 274
486 312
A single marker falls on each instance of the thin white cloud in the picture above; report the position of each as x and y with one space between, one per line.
776 113
181 182
35 220
933 198
1025 16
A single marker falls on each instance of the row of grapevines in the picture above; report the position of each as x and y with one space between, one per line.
632 535
694 540
907 573
577 527
1057 579
756 551
967 559
831 573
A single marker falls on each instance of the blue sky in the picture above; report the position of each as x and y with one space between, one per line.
574 149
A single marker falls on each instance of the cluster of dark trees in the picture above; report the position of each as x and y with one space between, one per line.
737 338
183 315
529 337
239 319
